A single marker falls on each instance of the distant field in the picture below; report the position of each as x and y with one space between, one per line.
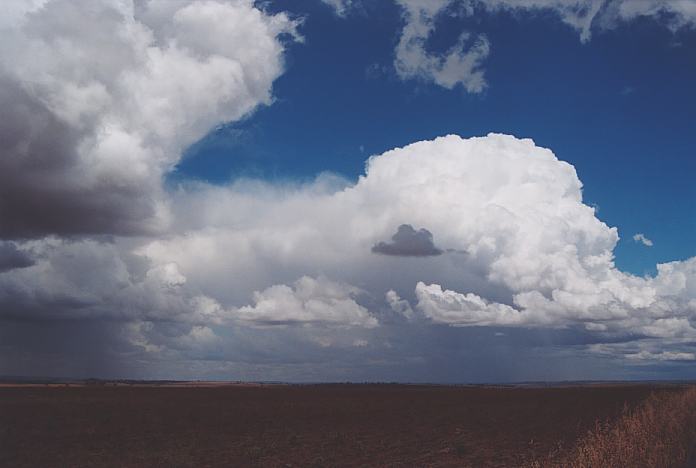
301 426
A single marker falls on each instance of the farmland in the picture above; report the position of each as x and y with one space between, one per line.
189 425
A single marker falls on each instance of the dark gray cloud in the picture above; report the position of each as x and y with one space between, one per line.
407 242
12 258
43 188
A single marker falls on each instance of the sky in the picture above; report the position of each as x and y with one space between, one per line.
450 191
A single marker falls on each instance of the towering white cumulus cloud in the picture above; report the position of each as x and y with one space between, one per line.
101 97
534 255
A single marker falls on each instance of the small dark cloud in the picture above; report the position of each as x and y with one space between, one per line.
407 242
12 258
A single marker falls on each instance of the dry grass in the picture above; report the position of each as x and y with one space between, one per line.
659 433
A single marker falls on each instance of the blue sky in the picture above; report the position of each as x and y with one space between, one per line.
620 108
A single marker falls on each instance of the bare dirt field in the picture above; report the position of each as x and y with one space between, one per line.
300 426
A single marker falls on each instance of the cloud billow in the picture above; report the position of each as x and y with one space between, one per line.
408 242
100 98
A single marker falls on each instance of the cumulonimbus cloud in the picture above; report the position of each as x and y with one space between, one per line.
531 239
537 256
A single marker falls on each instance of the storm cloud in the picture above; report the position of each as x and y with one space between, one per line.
101 99
298 264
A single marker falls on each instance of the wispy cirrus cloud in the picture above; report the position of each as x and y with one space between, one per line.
463 62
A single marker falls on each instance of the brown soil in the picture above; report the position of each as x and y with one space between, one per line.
299 426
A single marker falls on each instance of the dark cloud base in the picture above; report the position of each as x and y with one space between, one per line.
12 258
43 190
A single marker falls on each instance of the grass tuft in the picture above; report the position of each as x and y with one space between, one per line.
659 433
